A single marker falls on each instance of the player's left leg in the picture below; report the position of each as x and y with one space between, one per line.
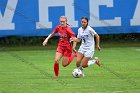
67 60
86 60
72 57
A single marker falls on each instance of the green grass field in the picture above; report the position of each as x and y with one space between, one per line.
30 70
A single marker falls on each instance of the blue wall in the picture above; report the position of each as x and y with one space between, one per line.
22 16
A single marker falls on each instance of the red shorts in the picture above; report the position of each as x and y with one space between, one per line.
65 50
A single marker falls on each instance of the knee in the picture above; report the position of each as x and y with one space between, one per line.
64 65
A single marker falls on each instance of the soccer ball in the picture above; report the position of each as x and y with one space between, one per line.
77 73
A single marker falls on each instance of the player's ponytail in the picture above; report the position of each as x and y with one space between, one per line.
68 24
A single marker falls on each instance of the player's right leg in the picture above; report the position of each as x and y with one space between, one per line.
79 59
58 56
94 61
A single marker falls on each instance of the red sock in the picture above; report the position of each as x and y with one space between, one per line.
56 69
71 57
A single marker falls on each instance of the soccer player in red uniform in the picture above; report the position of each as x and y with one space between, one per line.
64 48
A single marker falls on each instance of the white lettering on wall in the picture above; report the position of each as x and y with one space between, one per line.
44 13
6 19
95 16
136 18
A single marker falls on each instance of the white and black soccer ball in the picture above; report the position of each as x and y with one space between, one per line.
77 73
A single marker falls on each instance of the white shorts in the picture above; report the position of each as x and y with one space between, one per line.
86 53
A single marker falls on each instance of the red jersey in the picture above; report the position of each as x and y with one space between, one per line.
65 33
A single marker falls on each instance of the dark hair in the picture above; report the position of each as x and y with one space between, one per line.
84 18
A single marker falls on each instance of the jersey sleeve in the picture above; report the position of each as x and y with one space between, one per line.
70 32
56 30
92 31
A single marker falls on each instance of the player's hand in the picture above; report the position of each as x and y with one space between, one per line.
45 42
99 48
71 39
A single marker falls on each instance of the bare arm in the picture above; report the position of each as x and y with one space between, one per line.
76 39
74 46
46 40
97 42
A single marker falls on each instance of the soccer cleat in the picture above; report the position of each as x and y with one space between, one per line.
97 61
55 77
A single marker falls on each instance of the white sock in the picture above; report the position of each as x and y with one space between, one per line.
91 62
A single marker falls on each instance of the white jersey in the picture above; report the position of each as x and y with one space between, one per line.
87 37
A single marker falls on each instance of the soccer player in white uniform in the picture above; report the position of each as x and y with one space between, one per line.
87 47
